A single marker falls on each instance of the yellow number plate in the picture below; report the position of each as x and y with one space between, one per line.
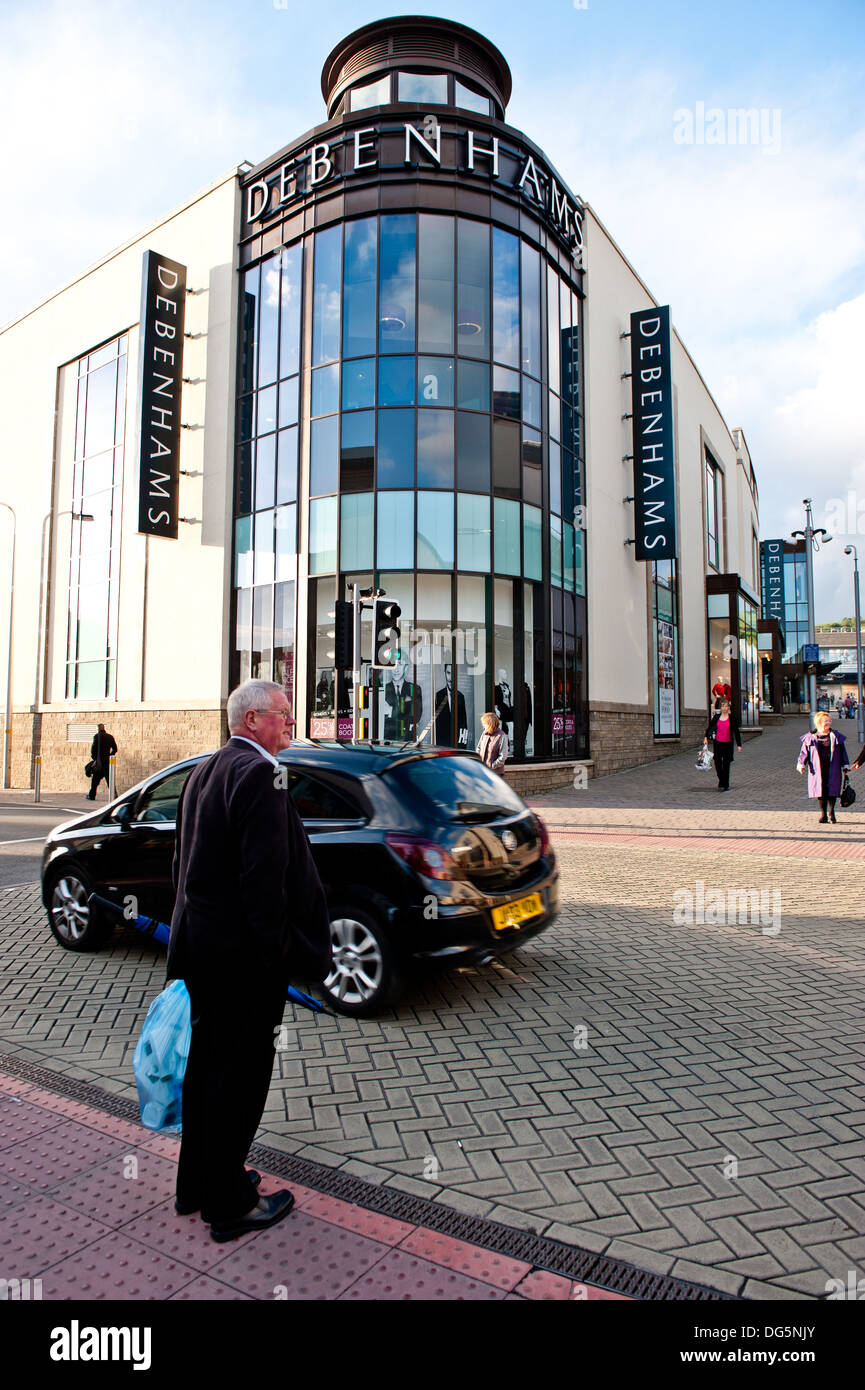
514 914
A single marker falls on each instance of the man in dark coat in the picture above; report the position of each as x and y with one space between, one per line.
101 749
250 914
445 713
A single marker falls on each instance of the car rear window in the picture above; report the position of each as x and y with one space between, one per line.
454 789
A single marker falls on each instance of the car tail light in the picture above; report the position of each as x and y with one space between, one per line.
547 851
425 857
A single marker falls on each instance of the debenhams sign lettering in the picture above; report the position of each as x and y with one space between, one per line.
358 152
654 462
163 308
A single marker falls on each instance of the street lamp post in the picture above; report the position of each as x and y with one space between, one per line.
851 550
810 535
7 720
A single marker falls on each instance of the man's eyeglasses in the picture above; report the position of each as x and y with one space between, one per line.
286 714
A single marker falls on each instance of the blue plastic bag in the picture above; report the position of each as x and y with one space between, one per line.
160 1059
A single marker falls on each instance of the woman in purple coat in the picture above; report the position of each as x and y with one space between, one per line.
824 753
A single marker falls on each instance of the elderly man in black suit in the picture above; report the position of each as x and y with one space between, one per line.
250 913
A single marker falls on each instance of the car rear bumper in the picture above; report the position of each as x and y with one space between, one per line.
465 933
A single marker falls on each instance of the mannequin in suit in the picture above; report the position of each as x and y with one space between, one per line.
405 706
444 713
504 700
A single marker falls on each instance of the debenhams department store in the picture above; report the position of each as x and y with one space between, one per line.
400 353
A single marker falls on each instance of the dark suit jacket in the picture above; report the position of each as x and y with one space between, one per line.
101 748
249 899
444 715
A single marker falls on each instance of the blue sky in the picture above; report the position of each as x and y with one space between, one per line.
114 112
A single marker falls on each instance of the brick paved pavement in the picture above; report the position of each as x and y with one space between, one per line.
711 1125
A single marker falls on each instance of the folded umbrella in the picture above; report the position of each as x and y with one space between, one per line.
160 931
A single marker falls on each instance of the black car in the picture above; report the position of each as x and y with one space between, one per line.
425 856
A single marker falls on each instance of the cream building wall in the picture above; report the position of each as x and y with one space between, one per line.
172 650
620 657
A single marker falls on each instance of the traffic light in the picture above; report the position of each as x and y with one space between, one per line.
386 639
344 635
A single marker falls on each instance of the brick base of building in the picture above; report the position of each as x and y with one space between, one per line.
147 740
619 739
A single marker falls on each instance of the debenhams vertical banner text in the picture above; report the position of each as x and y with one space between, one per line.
654 461
163 307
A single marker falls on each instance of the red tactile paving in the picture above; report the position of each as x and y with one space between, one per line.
459 1255
87 1205
824 848
403 1276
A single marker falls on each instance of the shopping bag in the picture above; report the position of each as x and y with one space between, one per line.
160 1058
704 759
848 795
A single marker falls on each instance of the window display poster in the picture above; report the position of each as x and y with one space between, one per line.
666 679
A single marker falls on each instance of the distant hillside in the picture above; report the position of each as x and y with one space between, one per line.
842 624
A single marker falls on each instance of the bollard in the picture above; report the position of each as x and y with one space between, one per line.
111 791
37 777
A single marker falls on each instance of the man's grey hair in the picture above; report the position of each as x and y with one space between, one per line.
250 695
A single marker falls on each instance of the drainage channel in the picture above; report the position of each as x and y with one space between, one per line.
542 1253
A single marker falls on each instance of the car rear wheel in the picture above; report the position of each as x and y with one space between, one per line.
76 925
364 979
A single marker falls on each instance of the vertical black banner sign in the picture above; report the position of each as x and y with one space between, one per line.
773 581
163 309
654 459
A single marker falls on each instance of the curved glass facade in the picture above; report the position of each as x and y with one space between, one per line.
409 417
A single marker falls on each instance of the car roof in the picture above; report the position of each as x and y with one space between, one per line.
358 759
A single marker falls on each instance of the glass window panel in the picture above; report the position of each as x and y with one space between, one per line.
555 478
473 452
435 284
264 548
396 381
397 284
120 424
358 384
435 381
422 87
357 456
322 535
262 633
579 561
283 639
359 331
324 455
531 310
506 528
288 401
567 486
243 480
568 555
286 466
473 288
472 605
90 678
265 472
555 417
435 530
473 533
396 448
506 298
396 530
286 542
93 569
92 622
434 607
473 386
101 400
553 329
268 326
101 356
249 330
96 534
81 416
435 449
532 543
326 296
506 393
291 290
97 474
265 415
532 402
324 684
325 390
243 635
370 94
245 417
503 654
506 459
356 531
555 550
532 467
469 99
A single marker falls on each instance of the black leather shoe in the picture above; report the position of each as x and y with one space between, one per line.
823 820
832 820
187 1208
266 1213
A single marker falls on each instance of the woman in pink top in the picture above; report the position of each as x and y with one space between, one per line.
724 730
